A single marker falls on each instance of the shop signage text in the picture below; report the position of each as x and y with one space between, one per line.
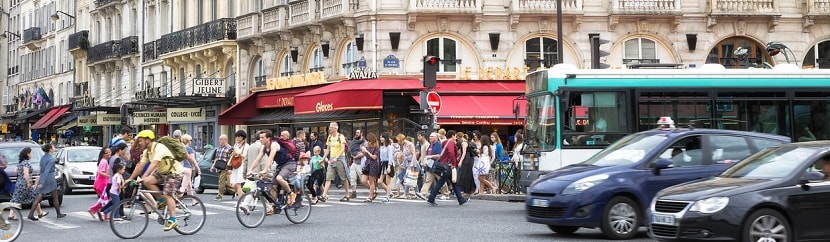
324 107
363 73
149 93
85 102
90 120
494 73
301 80
108 119
285 102
149 117
490 122
209 86
185 114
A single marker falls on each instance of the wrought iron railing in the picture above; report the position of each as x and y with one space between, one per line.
99 3
260 81
79 39
129 45
31 34
149 51
217 30
103 51
316 69
640 61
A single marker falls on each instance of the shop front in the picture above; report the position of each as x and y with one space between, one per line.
44 126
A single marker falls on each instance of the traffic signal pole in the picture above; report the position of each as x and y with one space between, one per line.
430 81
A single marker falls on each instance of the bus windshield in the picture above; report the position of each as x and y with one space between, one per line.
541 123
628 150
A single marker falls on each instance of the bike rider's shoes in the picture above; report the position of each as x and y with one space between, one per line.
170 225
161 203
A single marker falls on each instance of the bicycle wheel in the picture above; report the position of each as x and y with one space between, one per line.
299 212
133 222
11 230
251 209
190 218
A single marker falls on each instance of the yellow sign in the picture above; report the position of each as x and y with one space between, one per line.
185 114
89 120
494 73
108 119
5 128
301 80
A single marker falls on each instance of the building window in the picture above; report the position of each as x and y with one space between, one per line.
259 74
818 56
182 82
640 50
231 8
446 49
540 52
316 61
200 10
285 65
184 14
739 53
350 61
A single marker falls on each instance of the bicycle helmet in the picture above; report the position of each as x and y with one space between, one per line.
146 134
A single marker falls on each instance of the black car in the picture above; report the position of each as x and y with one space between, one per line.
10 151
209 180
779 194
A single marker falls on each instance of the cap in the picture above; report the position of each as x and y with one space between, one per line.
304 155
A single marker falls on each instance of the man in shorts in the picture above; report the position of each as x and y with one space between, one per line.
335 155
164 170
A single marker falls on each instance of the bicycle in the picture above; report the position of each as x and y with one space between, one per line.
252 207
189 220
508 177
10 229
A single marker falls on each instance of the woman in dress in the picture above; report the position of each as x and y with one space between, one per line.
101 181
240 148
370 178
191 168
23 193
408 150
46 182
467 149
482 165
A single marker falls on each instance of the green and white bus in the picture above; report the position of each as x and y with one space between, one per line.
574 113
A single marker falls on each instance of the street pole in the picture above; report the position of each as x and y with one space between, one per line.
559 37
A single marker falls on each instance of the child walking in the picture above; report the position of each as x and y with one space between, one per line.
318 175
115 192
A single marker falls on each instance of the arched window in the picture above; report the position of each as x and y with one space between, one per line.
349 58
259 74
316 63
285 65
447 50
640 50
818 56
739 53
540 51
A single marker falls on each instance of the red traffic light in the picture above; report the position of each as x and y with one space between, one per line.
432 60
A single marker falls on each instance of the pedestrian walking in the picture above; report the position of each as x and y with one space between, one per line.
223 156
469 153
336 157
101 182
23 189
371 168
358 158
481 170
446 156
46 182
240 149
117 184
318 175
191 166
387 168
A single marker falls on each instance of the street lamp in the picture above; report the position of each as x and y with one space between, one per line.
773 48
55 15
4 35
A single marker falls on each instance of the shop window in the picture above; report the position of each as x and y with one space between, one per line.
285 65
447 50
739 53
818 56
316 61
640 51
540 52
350 60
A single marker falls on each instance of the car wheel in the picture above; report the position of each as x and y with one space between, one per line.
767 225
620 218
563 229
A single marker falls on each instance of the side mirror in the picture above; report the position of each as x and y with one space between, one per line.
811 177
661 164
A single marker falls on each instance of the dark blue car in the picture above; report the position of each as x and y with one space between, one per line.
612 189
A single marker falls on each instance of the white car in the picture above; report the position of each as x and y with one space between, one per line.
77 167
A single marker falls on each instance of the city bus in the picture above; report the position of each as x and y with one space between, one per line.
574 113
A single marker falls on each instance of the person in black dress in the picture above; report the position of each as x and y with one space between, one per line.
465 179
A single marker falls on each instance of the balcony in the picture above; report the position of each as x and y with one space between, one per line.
259 81
330 9
248 26
744 7
213 31
31 34
128 45
646 7
103 51
302 12
103 3
149 52
818 7
79 40
544 6
272 19
455 6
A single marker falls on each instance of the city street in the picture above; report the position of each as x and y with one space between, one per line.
412 220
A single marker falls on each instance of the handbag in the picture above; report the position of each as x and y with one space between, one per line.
197 181
411 177
221 165
236 161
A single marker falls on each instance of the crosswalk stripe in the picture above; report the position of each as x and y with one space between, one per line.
53 224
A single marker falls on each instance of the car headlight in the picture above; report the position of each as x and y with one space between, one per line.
710 205
584 184
74 171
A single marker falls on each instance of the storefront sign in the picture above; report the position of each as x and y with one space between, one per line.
494 73
84 102
149 117
108 119
473 121
209 86
89 120
391 61
301 80
284 102
324 107
363 73
148 93
186 114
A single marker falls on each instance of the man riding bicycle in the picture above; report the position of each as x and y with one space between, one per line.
163 170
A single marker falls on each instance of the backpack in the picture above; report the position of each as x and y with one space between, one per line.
176 147
286 152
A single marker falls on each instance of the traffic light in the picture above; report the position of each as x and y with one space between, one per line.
596 53
430 69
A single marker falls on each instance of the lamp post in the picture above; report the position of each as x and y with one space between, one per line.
773 48
55 16
4 35
559 48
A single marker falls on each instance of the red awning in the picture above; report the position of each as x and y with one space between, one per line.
480 110
479 87
250 106
351 95
50 117
240 111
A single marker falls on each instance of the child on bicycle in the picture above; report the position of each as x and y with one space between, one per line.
117 181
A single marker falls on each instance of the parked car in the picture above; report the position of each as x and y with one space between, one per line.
612 189
10 151
210 180
779 194
78 167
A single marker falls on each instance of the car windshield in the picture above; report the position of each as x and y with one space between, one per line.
770 163
628 150
11 154
82 155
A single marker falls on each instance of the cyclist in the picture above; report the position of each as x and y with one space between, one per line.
164 170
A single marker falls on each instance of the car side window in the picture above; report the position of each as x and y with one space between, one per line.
685 152
762 143
728 149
